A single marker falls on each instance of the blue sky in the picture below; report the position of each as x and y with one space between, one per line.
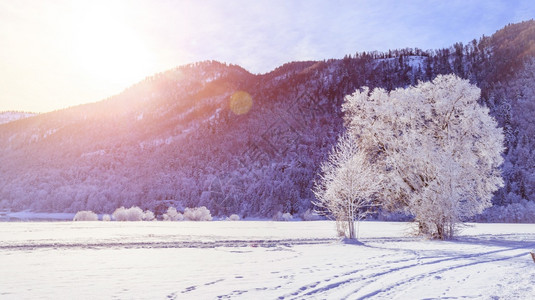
60 53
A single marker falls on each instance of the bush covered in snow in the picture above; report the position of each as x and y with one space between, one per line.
172 215
120 214
197 214
106 218
310 215
233 217
287 217
133 213
282 216
148 216
85 215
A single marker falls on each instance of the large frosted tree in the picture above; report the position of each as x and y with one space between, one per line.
438 149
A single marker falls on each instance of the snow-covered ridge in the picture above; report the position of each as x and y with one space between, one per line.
10 116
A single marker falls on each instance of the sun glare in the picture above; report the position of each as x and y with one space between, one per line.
241 102
108 47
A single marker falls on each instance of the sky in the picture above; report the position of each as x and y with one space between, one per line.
60 53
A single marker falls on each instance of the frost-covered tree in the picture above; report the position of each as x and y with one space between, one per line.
346 186
438 149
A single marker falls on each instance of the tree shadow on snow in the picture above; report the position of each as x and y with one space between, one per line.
509 240
348 241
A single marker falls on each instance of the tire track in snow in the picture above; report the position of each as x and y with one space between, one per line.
375 278
336 278
363 268
436 271
368 279
175 244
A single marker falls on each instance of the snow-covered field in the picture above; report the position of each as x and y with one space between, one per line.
260 260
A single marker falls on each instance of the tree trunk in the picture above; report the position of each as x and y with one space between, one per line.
423 229
351 226
440 231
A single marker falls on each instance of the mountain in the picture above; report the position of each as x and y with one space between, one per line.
10 116
216 135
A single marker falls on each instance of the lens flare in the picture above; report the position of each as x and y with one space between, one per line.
241 102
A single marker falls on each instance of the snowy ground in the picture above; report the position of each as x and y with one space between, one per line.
260 260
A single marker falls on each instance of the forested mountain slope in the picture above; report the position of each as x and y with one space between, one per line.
189 137
10 116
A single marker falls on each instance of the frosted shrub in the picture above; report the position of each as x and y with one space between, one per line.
133 213
178 216
120 214
233 217
172 215
85 215
310 215
287 217
279 216
148 216
106 218
197 214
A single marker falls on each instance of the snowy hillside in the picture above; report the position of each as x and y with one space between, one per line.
10 116
261 260
214 135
